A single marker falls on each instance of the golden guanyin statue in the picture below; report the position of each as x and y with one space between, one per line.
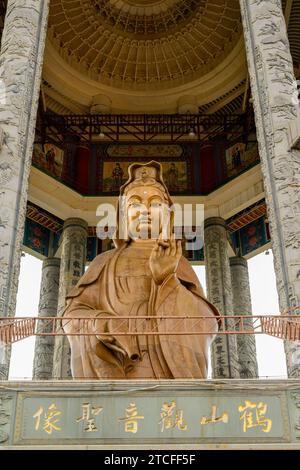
141 277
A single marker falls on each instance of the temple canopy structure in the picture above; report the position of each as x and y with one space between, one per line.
207 88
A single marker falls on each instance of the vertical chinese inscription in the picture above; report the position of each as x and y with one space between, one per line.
73 259
218 279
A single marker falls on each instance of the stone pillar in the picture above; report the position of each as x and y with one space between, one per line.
242 306
73 259
218 281
21 58
276 106
44 345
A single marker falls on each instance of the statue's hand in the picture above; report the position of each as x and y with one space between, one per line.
164 258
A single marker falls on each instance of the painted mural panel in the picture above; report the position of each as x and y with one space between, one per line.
239 157
36 237
253 236
48 157
175 173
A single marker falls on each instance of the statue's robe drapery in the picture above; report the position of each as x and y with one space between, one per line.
111 287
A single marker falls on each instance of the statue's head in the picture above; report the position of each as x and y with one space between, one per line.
144 204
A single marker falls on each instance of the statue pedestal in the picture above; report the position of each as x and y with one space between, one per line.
149 414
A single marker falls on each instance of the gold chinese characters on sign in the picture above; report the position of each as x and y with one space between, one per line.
131 418
252 415
87 412
169 420
223 418
47 420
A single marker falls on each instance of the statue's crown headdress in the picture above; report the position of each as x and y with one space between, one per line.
146 174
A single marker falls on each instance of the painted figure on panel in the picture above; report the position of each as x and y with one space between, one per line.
117 177
48 157
145 275
172 178
176 175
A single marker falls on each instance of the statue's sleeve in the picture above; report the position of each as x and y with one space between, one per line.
85 304
184 291
184 342
177 298
83 299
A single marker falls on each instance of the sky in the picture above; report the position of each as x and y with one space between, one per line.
270 352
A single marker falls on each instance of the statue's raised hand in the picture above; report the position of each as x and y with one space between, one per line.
164 258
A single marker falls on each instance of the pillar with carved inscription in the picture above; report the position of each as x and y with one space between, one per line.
242 306
276 107
73 260
218 280
44 345
21 59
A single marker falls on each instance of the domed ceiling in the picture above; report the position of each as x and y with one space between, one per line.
143 45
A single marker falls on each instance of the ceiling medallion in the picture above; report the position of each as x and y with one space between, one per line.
146 19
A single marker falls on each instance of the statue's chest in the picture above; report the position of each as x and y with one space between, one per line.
133 280
136 265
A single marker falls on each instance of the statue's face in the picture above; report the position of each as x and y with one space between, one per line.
146 212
